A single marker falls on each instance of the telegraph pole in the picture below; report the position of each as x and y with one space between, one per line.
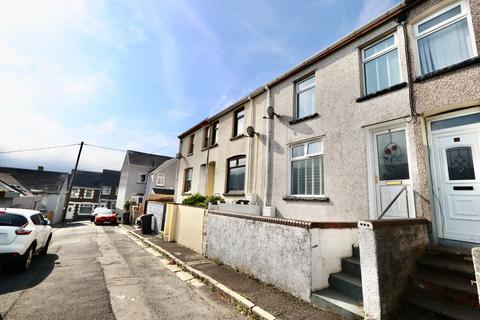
70 184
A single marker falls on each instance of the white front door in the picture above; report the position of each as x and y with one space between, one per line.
456 153
392 174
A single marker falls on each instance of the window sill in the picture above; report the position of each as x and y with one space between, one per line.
312 116
210 147
453 67
189 154
186 193
306 198
234 194
237 137
382 92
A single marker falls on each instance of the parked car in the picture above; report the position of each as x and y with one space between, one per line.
101 210
106 216
23 234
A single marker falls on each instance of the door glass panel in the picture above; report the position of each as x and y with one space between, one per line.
392 156
455 122
460 163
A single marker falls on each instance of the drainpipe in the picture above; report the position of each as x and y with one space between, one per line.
401 20
267 152
250 149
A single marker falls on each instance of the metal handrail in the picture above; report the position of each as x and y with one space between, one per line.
393 201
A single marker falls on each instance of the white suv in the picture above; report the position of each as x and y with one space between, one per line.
23 233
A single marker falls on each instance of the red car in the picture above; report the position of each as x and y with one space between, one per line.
106 216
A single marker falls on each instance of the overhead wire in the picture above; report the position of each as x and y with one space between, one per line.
41 148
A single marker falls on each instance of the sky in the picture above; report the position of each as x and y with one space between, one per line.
133 74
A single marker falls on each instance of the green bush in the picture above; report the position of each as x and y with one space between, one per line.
198 200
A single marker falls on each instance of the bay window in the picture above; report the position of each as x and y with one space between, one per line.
306 169
444 39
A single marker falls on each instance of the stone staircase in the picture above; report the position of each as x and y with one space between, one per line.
344 295
441 287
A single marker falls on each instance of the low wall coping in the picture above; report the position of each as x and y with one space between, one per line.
391 223
288 222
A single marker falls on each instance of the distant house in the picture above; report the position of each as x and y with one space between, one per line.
85 195
161 180
46 189
109 182
134 173
9 190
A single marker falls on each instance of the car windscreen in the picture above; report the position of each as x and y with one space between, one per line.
105 213
12 220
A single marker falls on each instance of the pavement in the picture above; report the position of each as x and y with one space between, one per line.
103 272
271 302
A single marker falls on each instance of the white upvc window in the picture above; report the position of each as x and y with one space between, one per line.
161 180
75 193
381 65
444 38
306 169
142 178
106 190
88 194
305 97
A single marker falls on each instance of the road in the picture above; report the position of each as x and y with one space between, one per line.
100 272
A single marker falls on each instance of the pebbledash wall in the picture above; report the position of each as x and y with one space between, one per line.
294 256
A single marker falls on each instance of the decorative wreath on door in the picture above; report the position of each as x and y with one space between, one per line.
391 151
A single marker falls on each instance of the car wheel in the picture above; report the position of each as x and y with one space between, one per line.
45 248
26 260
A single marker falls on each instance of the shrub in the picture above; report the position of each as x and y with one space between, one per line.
198 200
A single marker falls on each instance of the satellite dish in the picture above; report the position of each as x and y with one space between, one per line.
178 156
251 131
271 113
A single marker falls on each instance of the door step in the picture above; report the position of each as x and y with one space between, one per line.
338 302
344 296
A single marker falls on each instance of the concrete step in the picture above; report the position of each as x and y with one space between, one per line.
338 302
450 252
458 289
448 266
347 284
438 308
352 266
356 251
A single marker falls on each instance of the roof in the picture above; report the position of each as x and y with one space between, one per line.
164 165
12 184
146 159
110 178
47 181
87 179
349 38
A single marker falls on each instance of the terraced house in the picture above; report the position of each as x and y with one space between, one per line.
380 130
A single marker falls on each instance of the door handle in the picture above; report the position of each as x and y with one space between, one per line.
463 188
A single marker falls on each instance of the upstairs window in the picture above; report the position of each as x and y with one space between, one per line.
75 193
206 137
305 97
190 144
187 182
444 38
381 67
236 174
306 169
161 180
215 127
88 194
106 190
238 123
142 178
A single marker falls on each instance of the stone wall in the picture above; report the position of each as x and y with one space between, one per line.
476 263
388 253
